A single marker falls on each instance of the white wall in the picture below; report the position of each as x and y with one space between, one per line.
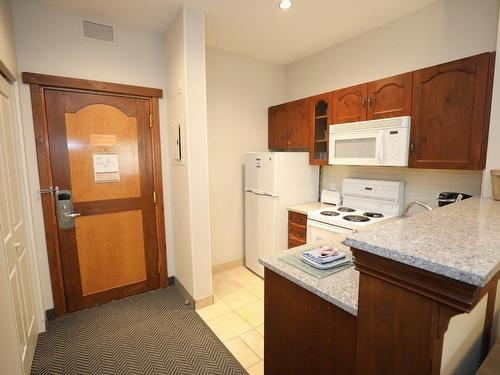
8 63
186 101
493 153
493 162
179 179
239 91
48 41
444 31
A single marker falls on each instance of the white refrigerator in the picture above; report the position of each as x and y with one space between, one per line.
273 182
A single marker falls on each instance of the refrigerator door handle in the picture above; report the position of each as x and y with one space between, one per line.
262 193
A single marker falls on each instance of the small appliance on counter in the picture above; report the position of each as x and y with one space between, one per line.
446 197
331 197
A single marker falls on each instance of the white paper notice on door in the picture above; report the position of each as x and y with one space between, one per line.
106 167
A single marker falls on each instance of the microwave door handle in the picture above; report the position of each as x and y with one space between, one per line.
381 150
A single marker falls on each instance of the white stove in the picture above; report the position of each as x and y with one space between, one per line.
365 202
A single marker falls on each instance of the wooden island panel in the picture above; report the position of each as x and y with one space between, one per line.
403 314
305 334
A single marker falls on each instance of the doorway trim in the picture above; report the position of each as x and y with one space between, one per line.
38 84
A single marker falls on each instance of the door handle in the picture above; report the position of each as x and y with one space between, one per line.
49 190
72 215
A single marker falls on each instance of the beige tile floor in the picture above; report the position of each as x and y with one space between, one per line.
237 316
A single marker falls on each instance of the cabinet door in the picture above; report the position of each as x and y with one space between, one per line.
278 127
389 97
448 116
349 104
298 125
320 114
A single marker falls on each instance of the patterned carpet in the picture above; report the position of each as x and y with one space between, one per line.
151 333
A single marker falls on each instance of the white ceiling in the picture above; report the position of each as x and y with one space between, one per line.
257 28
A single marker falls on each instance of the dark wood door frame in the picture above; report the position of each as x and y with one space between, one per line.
38 84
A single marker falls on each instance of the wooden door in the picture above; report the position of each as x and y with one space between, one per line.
13 231
449 116
349 104
298 125
101 151
320 114
278 127
390 97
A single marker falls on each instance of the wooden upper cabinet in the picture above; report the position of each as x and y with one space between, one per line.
299 125
278 127
288 126
320 115
450 115
349 104
389 97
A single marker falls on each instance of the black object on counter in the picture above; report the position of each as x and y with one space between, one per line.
450 197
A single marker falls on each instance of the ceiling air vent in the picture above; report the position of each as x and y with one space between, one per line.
98 31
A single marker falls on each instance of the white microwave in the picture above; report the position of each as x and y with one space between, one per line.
382 142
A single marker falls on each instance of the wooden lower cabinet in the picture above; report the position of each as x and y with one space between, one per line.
297 229
303 333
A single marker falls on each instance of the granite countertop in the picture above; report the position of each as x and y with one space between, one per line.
306 207
340 289
460 241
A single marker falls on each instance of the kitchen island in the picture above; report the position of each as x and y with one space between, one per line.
310 323
414 275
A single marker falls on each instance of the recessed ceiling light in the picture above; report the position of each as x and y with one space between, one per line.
285 4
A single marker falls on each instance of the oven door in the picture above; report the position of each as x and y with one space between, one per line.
317 231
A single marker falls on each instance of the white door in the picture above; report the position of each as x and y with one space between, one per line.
260 229
15 259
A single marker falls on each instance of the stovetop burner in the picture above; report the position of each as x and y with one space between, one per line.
329 213
376 215
356 218
346 209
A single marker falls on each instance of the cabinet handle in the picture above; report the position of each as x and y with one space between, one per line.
412 147
370 101
363 102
